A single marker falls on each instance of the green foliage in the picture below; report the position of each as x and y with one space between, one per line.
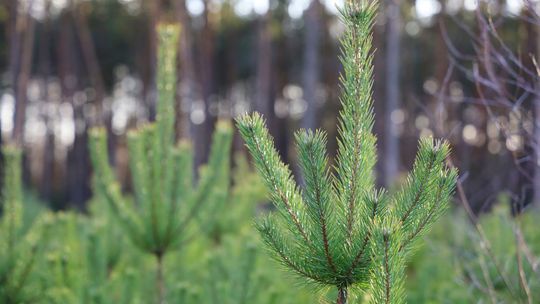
230 208
19 247
82 265
339 230
162 214
165 197
461 265
388 265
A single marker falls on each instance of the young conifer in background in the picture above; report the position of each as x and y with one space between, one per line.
166 200
18 248
230 209
339 230
83 264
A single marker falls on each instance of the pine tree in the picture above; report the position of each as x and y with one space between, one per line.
339 230
82 264
19 246
166 199
231 207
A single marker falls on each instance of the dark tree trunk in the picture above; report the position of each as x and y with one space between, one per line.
311 69
153 8
342 295
77 178
95 75
21 83
189 86
263 102
207 73
79 165
91 62
391 139
14 37
46 178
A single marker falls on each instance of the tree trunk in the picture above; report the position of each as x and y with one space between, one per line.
310 73
95 75
342 296
14 41
534 31
189 90
47 169
263 103
27 31
391 139
77 186
150 93
206 66
160 281
91 62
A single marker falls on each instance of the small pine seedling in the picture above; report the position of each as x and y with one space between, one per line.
166 201
339 230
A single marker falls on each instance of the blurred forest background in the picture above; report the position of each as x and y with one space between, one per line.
460 69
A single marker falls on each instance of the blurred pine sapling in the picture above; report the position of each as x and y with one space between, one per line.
84 265
339 230
231 208
494 259
18 248
166 199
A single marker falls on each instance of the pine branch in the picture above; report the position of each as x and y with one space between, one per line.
387 279
318 190
437 207
356 154
213 176
428 177
277 175
274 240
107 182
377 205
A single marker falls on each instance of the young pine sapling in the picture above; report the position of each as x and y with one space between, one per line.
339 230
166 200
